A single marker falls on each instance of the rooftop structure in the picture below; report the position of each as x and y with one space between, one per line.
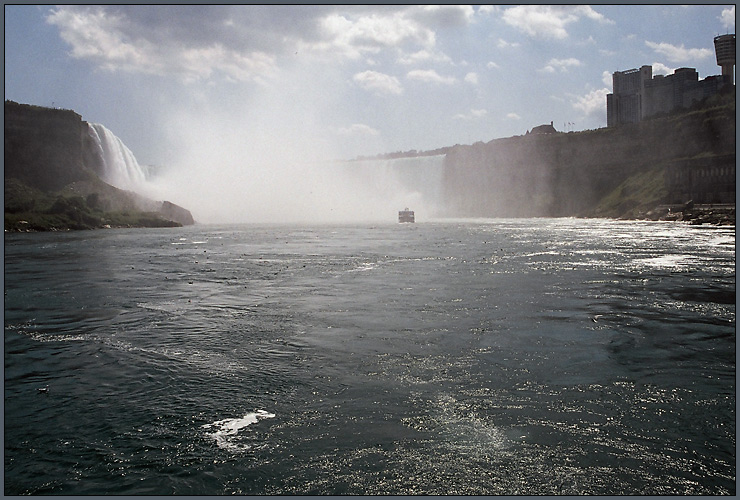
724 48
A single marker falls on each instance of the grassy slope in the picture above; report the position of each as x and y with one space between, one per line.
29 209
643 191
635 196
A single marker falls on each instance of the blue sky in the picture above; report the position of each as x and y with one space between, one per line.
342 81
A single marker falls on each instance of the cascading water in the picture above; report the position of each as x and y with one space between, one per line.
119 167
413 182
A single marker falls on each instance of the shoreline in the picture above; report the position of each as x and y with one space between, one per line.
695 215
718 214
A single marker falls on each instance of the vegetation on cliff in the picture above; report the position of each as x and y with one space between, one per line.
30 209
51 181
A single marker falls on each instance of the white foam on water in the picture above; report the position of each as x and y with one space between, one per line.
671 261
368 266
226 430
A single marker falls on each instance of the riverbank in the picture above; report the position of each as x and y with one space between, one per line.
695 214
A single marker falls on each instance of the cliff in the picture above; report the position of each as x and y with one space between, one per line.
610 172
52 178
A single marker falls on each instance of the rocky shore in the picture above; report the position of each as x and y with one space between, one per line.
716 214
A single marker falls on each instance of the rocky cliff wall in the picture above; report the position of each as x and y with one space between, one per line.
43 146
570 174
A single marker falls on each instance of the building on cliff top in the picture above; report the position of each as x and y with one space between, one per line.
637 95
543 129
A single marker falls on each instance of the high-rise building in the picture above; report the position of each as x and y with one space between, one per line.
636 94
625 105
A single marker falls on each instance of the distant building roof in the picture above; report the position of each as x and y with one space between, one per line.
544 129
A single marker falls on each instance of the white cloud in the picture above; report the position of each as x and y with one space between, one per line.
472 115
353 36
679 54
472 78
243 42
113 42
662 69
513 116
365 29
727 18
430 76
548 21
487 9
503 44
593 102
424 56
377 82
607 78
357 129
97 35
492 65
443 15
560 64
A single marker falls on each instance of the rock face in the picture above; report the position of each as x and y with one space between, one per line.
176 213
52 181
606 172
44 147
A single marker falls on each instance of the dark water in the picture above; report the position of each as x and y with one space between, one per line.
460 357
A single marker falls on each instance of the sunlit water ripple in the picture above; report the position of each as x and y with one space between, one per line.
542 356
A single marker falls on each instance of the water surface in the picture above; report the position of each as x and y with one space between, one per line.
540 356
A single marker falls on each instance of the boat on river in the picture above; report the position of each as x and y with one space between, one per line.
406 215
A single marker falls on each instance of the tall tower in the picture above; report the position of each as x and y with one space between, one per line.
724 48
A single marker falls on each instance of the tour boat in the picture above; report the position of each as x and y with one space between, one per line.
406 215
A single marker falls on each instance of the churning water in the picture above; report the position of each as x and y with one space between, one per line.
534 356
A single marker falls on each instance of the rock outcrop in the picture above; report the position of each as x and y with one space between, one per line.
176 213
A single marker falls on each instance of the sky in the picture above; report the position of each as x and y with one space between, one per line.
204 86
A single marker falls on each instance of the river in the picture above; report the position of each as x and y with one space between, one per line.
478 356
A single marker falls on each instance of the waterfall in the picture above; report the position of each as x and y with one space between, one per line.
413 182
119 167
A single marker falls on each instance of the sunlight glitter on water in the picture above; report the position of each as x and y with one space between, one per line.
494 357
